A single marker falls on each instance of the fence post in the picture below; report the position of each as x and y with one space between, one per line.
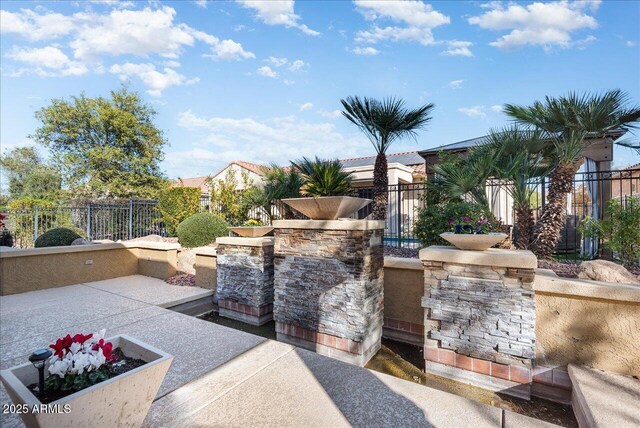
130 218
89 221
35 224
399 204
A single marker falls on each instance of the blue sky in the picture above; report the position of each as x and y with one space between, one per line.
261 81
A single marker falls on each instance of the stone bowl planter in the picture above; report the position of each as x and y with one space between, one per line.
251 231
327 207
122 401
480 242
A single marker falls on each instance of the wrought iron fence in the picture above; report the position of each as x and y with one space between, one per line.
405 201
114 220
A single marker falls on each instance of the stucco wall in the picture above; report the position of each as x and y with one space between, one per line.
32 269
403 291
206 268
588 323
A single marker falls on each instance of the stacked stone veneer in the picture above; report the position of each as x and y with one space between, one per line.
245 272
480 311
329 286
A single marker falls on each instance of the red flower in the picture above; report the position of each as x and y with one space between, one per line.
107 349
63 344
81 338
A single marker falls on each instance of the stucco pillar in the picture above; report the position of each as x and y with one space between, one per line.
329 286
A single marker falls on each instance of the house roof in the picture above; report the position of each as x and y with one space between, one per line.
200 182
472 142
405 158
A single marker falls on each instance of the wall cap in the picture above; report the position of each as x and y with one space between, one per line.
245 242
206 251
5 252
402 263
346 224
548 282
519 259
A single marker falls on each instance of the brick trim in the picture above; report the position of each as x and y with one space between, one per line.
508 372
404 326
331 341
245 309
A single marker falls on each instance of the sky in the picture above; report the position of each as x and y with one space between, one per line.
261 81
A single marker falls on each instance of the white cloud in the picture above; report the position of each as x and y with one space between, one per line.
278 12
228 50
630 44
330 114
289 82
288 138
582 44
416 20
32 26
47 61
297 65
201 3
157 81
306 106
365 51
276 62
537 24
475 111
267 72
496 108
456 84
458 48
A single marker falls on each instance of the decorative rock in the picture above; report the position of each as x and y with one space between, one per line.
606 271
186 260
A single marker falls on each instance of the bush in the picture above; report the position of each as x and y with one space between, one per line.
201 229
434 219
176 204
620 232
57 237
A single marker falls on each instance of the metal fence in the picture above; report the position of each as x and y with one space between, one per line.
113 220
590 196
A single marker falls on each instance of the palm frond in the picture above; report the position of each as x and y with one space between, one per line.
323 177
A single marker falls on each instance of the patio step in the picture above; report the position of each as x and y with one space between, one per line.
602 399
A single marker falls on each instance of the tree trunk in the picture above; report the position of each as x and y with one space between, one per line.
380 188
552 220
524 227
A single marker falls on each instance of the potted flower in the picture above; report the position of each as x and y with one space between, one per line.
85 378
252 229
326 190
475 233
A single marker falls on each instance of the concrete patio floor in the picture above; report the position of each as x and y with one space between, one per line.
225 377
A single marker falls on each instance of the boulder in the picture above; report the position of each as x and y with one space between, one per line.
186 260
149 238
82 241
606 271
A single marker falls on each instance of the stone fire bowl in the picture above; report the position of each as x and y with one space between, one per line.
327 207
251 231
473 242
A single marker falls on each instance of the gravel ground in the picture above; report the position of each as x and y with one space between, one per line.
182 280
407 253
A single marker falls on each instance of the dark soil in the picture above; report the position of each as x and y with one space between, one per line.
406 362
182 280
407 253
567 269
122 365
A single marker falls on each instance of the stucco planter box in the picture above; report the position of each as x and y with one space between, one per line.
478 242
327 207
122 401
251 231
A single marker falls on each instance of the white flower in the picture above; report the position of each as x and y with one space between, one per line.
75 347
59 368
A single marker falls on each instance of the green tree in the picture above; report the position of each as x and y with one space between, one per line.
104 147
383 122
570 123
227 197
29 176
323 177
278 183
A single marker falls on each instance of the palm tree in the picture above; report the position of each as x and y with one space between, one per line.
279 183
383 122
567 121
517 156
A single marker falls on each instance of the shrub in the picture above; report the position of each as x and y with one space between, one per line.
434 219
57 237
620 232
323 177
201 229
176 204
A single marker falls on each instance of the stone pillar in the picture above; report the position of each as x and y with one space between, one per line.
245 279
329 286
480 316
